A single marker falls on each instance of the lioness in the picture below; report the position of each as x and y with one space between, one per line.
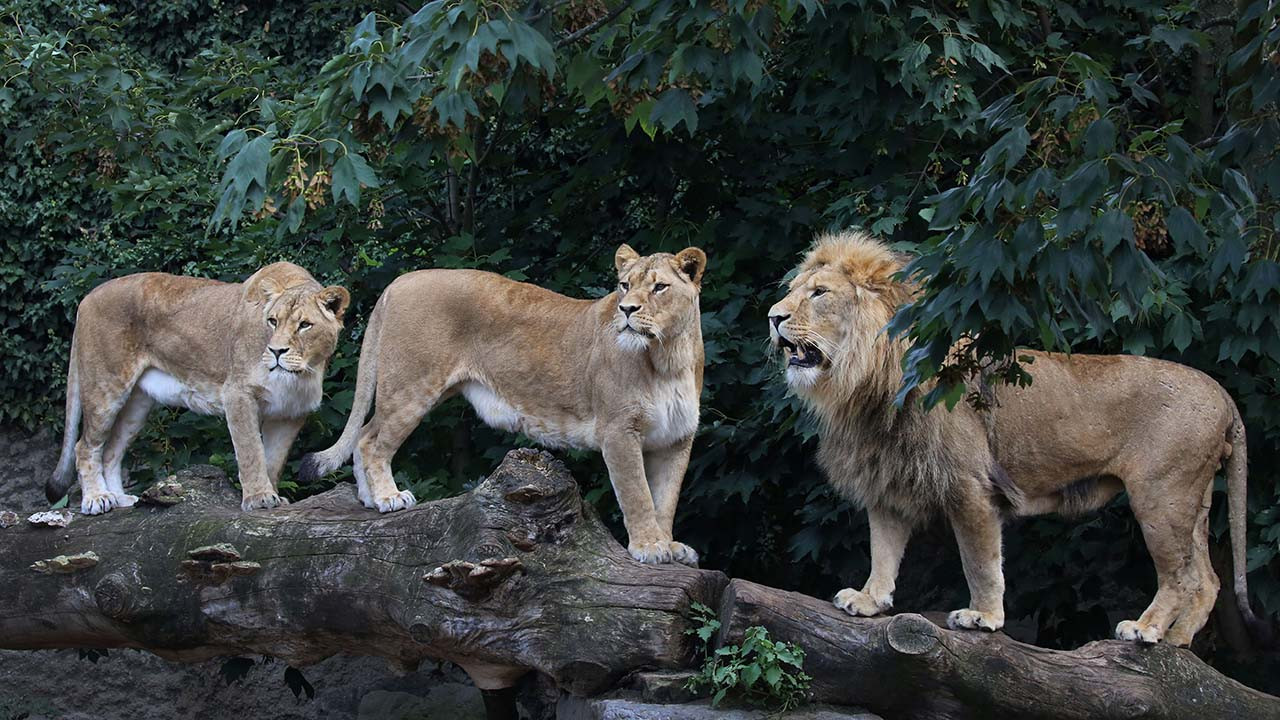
255 352
1085 429
621 374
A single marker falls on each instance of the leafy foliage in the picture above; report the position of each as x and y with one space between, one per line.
760 671
1071 176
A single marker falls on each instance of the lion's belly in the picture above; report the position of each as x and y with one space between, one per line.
497 413
284 395
168 390
674 413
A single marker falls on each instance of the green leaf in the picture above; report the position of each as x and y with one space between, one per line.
674 106
250 164
1100 137
350 173
1185 231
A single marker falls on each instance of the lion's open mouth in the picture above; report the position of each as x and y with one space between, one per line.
802 355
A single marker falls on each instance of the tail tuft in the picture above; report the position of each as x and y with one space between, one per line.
312 469
58 484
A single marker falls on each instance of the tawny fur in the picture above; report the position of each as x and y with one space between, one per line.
205 346
565 372
1085 429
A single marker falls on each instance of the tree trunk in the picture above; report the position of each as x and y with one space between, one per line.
513 576
519 575
905 666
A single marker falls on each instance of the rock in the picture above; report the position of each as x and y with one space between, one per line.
140 686
65 564
26 460
451 700
663 686
619 708
52 518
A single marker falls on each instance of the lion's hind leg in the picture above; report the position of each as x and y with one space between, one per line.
102 406
395 416
1168 508
126 427
1203 582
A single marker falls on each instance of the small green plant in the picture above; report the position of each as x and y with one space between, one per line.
760 671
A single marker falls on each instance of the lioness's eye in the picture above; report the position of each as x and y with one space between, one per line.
271 322
304 325
818 292
659 287
625 286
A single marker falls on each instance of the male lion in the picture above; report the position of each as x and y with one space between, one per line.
1087 427
621 374
255 352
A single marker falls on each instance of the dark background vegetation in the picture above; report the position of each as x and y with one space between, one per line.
1099 176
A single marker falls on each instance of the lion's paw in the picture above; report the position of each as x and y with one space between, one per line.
125 500
973 620
402 500
653 553
262 501
1134 631
683 554
860 604
99 503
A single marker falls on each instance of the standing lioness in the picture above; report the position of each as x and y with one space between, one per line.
255 352
621 374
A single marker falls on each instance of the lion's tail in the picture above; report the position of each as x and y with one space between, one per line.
65 474
1237 507
318 464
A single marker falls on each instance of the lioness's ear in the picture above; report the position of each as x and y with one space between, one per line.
265 290
692 262
624 255
334 300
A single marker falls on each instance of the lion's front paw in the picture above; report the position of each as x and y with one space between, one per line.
651 553
396 501
1133 630
860 604
263 501
974 620
683 554
99 503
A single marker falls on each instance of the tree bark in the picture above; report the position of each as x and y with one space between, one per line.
905 666
516 575
519 575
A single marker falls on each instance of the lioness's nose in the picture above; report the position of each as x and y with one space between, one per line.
278 351
628 309
777 320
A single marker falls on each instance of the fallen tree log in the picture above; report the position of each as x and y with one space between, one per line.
511 577
906 666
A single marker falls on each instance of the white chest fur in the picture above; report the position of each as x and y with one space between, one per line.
496 412
284 395
672 412
290 395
